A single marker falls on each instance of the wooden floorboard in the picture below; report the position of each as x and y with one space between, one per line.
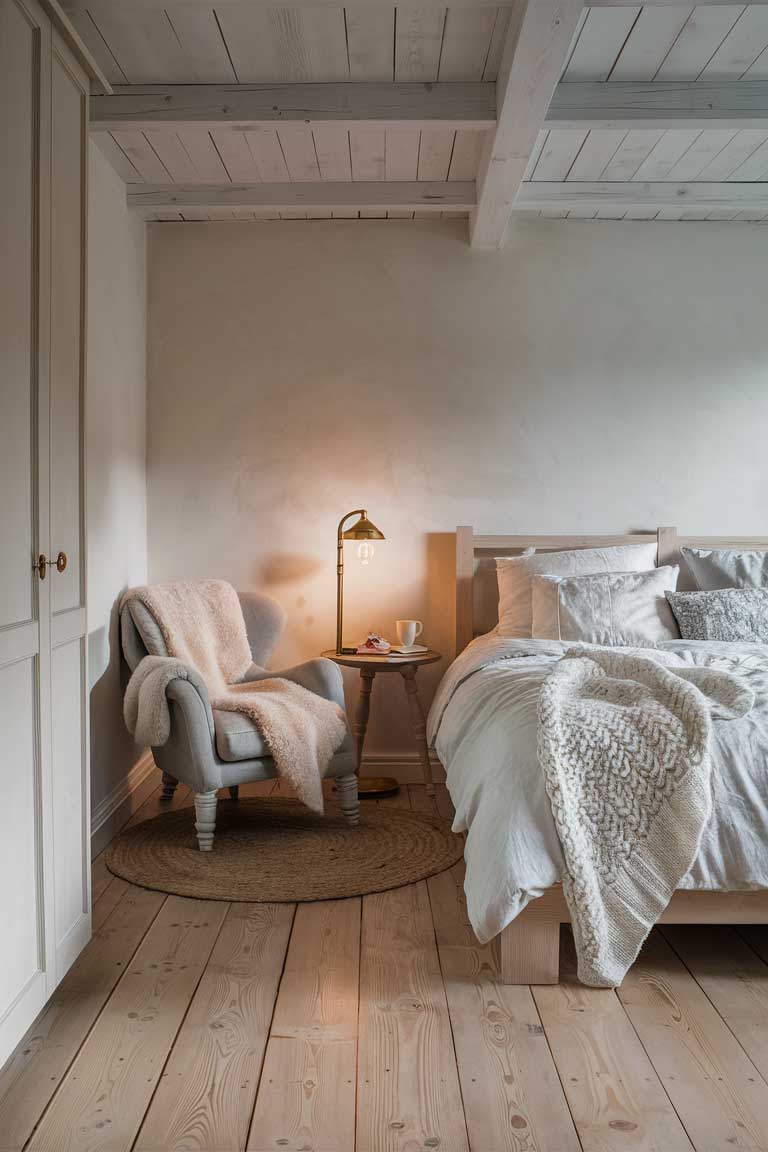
205 1096
616 1098
734 978
715 1088
380 1025
408 1085
103 1099
512 1096
39 1063
306 1099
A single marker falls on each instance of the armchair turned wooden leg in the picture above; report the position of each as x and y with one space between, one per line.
169 786
234 791
348 801
205 819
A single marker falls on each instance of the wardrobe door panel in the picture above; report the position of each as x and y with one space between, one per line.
70 808
26 878
68 205
18 848
19 74
69 711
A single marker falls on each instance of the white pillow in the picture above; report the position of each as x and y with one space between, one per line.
624 608
714 568
515 573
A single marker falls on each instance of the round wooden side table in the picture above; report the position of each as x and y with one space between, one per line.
407 667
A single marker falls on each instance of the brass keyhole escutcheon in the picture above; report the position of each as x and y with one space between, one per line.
42 563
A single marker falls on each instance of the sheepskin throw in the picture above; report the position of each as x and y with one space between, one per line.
202 625
624 746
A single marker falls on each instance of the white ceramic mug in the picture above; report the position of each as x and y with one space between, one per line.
407 631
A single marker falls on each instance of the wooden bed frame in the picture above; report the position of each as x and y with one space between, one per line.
530 945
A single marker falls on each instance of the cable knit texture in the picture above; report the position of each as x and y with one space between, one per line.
624 746
204 632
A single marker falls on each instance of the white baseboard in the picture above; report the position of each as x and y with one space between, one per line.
108 817
405 767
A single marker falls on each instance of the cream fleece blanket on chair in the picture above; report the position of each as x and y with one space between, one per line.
203 629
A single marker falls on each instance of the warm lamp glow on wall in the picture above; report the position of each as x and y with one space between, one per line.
365 533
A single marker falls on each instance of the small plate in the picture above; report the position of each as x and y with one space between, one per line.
413 650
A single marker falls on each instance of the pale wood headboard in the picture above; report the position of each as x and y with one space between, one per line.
476 589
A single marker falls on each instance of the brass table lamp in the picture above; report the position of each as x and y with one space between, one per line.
366 532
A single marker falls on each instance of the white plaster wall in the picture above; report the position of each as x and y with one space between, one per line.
591 377
116 456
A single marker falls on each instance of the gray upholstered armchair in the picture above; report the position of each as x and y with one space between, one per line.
210 749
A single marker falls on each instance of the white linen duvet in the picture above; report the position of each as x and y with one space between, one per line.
483 723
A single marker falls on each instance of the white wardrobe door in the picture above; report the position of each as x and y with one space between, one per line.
26 904
71 814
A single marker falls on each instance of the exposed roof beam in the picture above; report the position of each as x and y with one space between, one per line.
664 3
687 104
422 194
160 5
239 106
540 33
538 194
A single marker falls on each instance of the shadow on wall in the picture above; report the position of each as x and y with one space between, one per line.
113 752
285 568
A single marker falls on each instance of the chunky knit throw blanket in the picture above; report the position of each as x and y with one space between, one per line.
204 634
624 746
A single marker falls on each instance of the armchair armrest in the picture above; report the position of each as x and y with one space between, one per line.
320 676
189 754
191 695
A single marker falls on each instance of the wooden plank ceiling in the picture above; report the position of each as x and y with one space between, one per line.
581 172
658 45
252 44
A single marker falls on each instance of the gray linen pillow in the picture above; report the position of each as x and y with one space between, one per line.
732 614
726 568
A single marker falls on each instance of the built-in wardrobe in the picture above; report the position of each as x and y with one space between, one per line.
44 790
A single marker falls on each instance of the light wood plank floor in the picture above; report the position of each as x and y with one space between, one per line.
378 1024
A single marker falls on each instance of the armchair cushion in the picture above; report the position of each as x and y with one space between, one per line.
237 738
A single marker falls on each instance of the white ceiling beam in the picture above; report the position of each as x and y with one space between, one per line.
160 5
540 33
243 106
415 195
665 3
536 195
683 104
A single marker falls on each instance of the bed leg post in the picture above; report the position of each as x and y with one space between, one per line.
530 948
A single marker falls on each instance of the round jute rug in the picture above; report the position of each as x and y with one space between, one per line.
274 849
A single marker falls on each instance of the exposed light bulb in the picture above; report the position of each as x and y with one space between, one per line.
365 551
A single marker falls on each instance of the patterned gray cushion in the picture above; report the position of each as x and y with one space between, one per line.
727 614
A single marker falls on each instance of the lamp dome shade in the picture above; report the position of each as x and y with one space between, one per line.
363 529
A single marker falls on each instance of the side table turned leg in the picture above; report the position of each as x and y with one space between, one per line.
362 712
169 786
418 724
